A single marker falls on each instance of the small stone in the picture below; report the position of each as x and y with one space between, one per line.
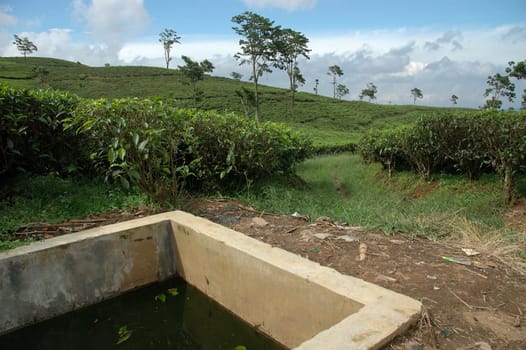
259 222
322 236
227 220
347 238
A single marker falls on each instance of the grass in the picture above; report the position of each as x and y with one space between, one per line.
347 190
51 199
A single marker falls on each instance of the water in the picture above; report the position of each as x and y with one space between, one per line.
188 320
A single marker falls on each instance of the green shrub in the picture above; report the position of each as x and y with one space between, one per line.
235 150
32 138
161 148
384 147
141 141
503 136
469 144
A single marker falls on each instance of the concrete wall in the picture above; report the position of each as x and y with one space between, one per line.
298 302
58 275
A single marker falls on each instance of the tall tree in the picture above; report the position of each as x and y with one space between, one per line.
25 46
518 71
499 86
369 91
168 38
416 93
195 71
454 99
289 45
341 90
336 72
316 83
256 46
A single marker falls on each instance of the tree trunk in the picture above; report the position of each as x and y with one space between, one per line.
508 182
292 90
256 97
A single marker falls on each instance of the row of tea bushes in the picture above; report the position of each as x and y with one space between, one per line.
469 144
149 143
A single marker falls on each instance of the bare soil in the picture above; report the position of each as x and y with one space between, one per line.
478 302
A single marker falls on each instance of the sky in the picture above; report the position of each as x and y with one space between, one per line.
442 47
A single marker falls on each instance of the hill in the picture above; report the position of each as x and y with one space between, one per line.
326 120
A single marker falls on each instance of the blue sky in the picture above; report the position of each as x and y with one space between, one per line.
442 47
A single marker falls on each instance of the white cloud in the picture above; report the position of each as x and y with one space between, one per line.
5 18
113 21
290 5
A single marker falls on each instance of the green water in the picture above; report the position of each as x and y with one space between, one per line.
186 321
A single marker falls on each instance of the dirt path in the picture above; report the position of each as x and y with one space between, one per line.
480 306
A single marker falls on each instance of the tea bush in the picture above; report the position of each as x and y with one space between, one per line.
470 144
161 148
32 138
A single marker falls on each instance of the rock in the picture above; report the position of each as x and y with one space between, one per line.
227 220
347 238
322 236
259 222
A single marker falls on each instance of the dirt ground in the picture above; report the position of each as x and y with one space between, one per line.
477 302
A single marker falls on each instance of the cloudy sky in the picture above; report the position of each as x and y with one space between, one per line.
442 47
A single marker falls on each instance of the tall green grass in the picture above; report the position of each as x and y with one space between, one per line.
52 199
345 189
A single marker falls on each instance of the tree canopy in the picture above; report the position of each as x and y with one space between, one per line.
288 46
416 93
256 49
25 46
369 91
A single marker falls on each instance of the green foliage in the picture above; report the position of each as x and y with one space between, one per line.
385 147
24 45
32 138
123 334
499 86
289 45
195 71
257 34
369 91
238 150
335 71
145 142
459 143
161 149
504 139
416 93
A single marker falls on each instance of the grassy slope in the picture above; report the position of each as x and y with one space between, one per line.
326 120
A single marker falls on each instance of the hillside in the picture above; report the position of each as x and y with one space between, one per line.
326 120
